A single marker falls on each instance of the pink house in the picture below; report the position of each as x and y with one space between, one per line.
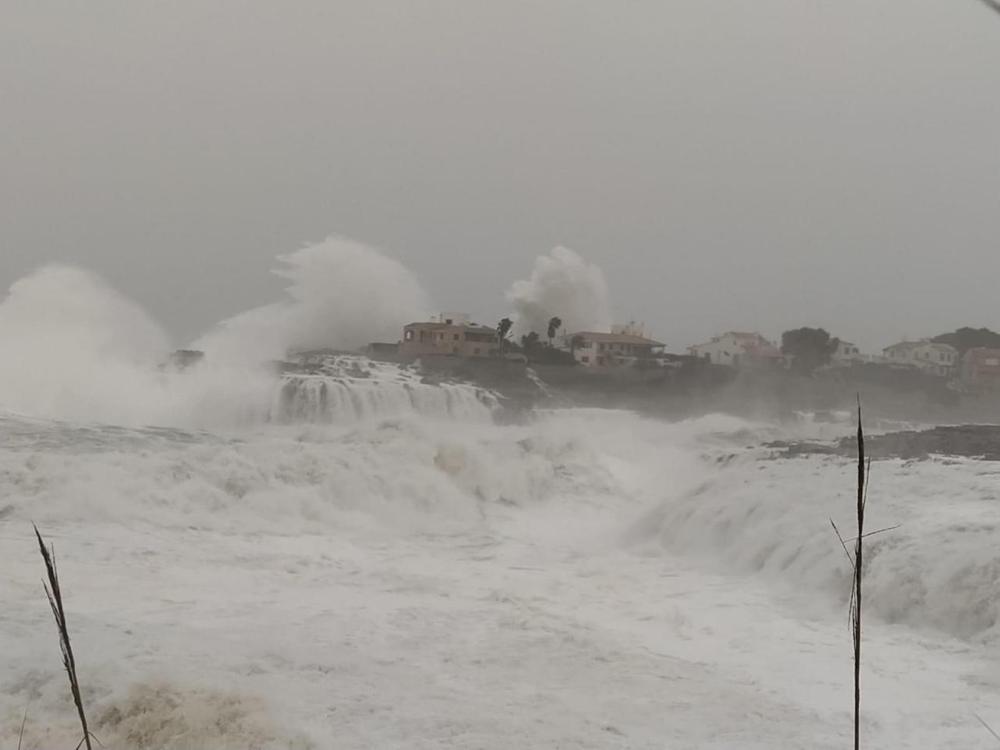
981 367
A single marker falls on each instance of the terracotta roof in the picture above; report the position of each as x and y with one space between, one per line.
741 337
616 338
434 324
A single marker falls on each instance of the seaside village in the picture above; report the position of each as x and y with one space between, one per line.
456 336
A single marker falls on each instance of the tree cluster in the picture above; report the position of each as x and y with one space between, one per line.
808 348
532 345
969 338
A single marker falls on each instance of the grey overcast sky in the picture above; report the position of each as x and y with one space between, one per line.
750 165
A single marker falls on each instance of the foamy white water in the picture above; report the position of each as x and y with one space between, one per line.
336 553
586 579
341 389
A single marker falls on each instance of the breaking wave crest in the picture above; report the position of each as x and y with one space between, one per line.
76 349
936 566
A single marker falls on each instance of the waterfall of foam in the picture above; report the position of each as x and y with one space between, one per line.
344 389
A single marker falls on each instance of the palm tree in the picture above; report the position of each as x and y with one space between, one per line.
503 329
554 325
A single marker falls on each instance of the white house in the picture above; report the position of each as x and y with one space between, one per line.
935 359
624 345
737 349
847 354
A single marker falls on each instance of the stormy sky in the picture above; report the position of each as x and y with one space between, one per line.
740 165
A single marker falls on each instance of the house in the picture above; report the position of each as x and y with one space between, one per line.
846 354
932 358
981 368
625 345
450 334
736 349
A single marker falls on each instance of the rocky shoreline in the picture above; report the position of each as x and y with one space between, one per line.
969 441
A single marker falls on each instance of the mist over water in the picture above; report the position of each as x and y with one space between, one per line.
78 349
75 348
342 295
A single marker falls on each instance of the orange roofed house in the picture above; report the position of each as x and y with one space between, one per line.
625 345
451 334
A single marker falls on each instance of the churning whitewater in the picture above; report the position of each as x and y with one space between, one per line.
339 553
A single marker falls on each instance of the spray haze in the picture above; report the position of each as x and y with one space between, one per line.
74 345
342 295
564 285
77 349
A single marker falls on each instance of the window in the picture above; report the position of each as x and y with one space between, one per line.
456 337
449 321
585 360
409 335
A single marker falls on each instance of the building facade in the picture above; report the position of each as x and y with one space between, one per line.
451 335
624 346
981 368
737 349
934 359
846 354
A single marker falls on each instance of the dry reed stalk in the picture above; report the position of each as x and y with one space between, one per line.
20 735
54 593
987 726
858 568
857 563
